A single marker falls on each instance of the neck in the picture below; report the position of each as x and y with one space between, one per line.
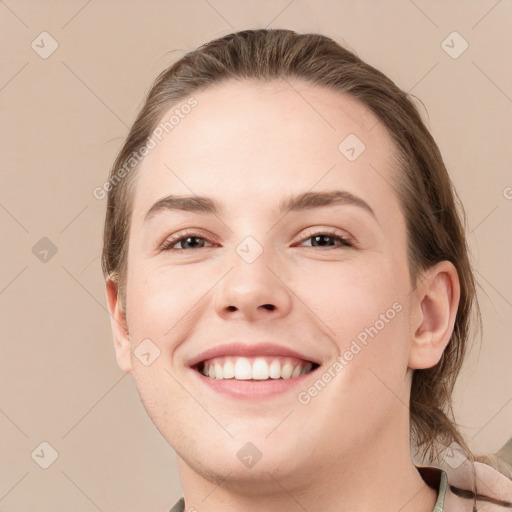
378 476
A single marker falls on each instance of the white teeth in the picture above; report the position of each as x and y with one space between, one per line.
275 369
218 371
229 370
260 369
296 371
286 371
243 369
257 368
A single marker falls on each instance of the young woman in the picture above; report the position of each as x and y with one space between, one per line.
289 284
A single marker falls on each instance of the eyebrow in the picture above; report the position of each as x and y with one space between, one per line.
294 203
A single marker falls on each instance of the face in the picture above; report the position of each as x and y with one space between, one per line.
323 280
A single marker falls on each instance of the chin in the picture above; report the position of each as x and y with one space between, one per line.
262 478
253 459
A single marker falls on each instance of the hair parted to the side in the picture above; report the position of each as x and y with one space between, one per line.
434 215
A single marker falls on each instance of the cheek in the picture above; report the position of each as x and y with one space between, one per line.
348 297
158 320
363 309
164 305
159 300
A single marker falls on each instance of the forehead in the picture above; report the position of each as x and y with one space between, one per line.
246 143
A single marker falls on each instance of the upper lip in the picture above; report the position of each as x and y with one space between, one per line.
250 350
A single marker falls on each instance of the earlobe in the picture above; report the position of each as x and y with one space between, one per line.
119 327
436 302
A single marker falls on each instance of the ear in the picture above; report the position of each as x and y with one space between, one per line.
435 304
119 326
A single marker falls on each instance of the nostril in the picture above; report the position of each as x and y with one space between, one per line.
269 306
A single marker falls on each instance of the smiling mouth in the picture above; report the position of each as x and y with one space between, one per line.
255 368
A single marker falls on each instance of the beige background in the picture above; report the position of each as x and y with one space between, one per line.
63 119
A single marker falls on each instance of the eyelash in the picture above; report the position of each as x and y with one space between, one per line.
167 244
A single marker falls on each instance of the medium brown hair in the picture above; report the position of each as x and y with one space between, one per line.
435 218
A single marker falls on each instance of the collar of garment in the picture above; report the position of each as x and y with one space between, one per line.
455 488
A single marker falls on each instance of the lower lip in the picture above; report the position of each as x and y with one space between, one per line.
253 389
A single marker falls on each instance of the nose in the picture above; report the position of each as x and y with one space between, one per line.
253 291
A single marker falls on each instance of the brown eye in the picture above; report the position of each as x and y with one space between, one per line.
328 239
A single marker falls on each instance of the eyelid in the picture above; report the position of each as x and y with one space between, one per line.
176 237
334 232
347 240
